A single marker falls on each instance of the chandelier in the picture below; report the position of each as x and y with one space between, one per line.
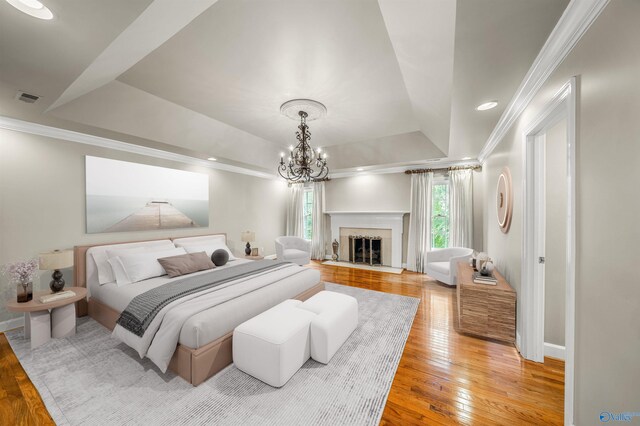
304 164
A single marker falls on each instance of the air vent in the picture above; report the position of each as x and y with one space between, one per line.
27 97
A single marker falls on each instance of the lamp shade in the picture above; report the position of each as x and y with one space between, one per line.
57 259
248 236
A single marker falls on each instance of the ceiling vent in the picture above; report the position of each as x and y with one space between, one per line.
27 97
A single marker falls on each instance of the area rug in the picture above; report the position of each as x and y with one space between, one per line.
92 379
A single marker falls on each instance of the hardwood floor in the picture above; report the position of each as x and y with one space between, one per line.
448 378
443 377
20 403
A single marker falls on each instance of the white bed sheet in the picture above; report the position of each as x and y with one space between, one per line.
119 297
211 324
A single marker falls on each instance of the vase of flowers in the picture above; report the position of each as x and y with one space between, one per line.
22 273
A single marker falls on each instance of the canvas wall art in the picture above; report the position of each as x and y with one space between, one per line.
123 196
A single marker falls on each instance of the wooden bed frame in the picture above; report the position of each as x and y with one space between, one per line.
193 365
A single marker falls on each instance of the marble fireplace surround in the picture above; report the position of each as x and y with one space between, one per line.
371 220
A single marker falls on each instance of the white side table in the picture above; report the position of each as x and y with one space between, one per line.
45 320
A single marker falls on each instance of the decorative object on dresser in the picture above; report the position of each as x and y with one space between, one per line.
22 273
293 249
504 200
486 310
248 237
304 164
56 260
441 263
335 246
40 325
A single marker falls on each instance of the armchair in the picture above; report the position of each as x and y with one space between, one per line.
293 249
442 263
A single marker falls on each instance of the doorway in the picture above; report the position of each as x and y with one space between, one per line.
557 121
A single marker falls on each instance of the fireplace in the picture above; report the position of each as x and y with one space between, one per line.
387 225
365 249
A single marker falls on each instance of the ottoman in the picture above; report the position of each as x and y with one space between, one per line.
274 345
337 318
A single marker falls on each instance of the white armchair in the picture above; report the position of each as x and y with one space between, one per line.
293 249
442 263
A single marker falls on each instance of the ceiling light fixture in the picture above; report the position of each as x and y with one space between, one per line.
32 8
467 158
359 169
304 164
487 105
212 159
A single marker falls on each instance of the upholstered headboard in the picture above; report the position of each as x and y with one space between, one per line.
80 254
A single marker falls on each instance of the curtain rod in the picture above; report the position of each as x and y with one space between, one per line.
326 179
443 169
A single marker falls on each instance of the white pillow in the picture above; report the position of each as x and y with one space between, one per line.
118 271
101 256
145 265
208 248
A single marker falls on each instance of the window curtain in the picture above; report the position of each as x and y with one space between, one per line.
318 227
295 217
419 222
461 208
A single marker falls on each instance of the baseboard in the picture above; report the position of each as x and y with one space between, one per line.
11 324
554 351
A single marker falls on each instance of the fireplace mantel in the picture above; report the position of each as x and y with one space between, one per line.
377 220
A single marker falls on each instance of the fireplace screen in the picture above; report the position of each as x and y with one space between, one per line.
365 249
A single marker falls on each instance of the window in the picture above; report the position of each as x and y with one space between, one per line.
307 213
440 214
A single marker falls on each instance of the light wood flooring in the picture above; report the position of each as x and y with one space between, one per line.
443 377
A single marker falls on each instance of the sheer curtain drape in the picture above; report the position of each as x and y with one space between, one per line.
295 217
419 221
461 208
318 230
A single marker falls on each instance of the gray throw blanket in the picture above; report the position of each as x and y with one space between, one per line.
143 308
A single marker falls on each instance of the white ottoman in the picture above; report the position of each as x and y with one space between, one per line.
273 345
337 318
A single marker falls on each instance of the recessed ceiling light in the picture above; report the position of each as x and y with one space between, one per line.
467 158
359 169
212 159
32 8
487 105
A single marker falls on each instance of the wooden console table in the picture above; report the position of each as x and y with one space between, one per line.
486 310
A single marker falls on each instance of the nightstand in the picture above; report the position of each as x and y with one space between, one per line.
42 321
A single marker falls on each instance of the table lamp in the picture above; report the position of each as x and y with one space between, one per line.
56 260
248 237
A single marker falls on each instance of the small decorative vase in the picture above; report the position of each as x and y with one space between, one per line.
487 268
334 246
24 292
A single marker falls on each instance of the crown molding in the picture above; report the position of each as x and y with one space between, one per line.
574 22
9 123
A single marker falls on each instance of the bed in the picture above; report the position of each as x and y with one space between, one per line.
204 342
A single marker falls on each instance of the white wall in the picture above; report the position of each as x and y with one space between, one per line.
555 233
369 192
608 206
42 202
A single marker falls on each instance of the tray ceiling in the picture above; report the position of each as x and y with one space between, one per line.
400 79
